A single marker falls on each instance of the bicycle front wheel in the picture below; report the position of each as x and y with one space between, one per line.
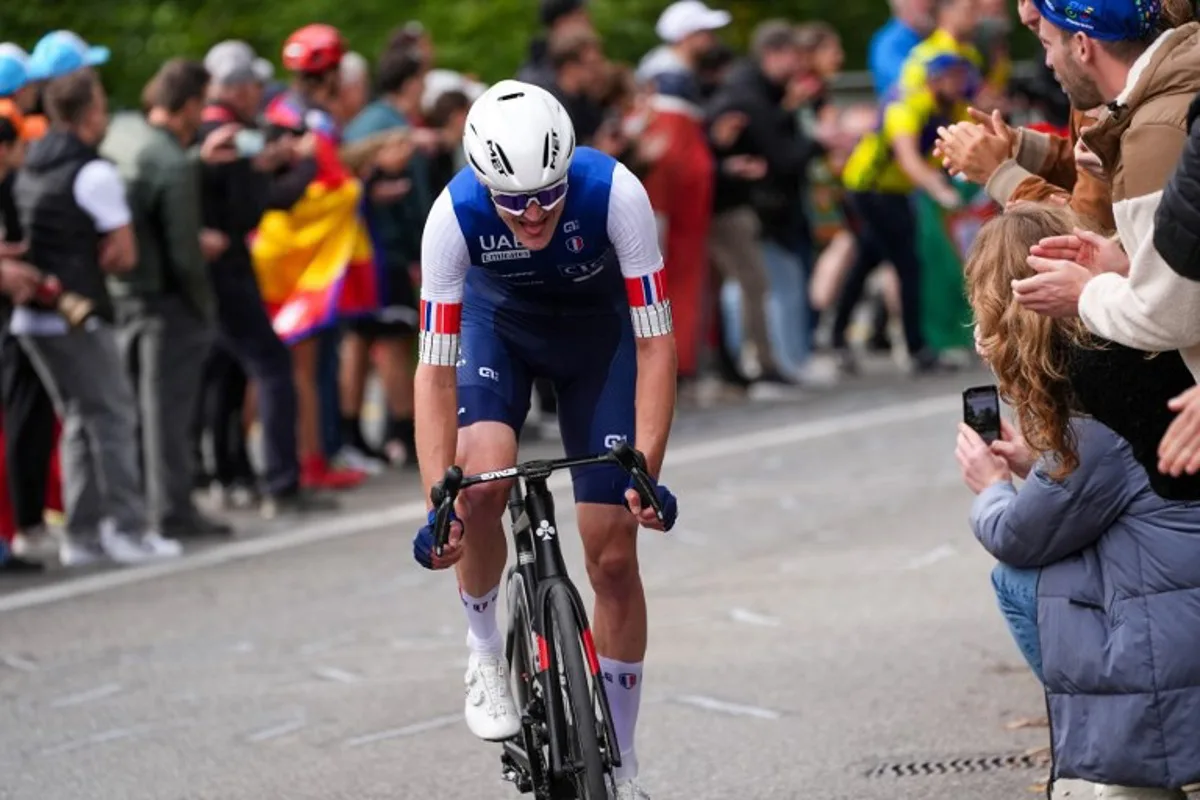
582 733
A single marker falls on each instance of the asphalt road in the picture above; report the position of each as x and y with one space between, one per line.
820 612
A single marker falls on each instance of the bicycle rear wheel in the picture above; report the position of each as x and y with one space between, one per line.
581 731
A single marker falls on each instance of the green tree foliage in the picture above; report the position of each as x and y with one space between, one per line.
488 38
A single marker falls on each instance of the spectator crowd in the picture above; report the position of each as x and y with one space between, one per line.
201 289
230 263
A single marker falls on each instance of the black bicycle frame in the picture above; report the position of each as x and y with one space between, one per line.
543 571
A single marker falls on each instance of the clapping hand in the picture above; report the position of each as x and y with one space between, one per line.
976 150
1179 451
1088 249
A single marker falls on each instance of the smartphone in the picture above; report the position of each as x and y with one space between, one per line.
981 411
249 143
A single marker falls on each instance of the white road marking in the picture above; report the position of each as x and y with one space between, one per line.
722 707
939 553
336 675
99 693
408 730
18 663
750 618
355 523
103 737
277 731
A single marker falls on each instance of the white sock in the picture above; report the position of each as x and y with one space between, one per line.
482 635
623 685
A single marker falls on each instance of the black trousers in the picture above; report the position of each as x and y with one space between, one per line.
247 333
219 413
887 232
28 432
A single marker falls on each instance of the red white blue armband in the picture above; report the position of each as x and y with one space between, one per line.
649 306
441 329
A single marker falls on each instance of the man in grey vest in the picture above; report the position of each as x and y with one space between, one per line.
73 209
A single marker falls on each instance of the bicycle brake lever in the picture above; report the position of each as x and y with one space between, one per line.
443 495
646 493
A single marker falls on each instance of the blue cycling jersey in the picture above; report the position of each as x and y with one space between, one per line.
602 259
578 270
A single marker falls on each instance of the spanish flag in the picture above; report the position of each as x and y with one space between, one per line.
314 262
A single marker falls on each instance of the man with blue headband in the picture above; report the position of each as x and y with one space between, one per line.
1115 54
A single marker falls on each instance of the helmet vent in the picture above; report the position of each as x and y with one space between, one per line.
546 151
475 164
513 96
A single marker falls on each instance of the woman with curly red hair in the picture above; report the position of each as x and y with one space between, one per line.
1097 572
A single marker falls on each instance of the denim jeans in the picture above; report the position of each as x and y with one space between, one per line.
787 307
1016 593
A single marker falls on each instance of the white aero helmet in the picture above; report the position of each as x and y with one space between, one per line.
518 138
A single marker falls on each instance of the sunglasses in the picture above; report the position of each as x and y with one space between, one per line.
516 203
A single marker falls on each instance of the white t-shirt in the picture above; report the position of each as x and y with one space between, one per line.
100 191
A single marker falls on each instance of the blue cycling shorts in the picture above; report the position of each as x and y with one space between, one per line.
592 362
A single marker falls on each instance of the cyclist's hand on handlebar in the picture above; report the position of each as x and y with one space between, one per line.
423 544
645 515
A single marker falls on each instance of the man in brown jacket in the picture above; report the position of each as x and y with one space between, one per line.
1014 165
1030 165
1115 57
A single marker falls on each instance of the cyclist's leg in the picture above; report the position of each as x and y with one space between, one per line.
596 408
493 400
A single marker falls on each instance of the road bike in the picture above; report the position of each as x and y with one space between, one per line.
567 747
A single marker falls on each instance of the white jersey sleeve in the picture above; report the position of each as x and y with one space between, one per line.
633 230
444 262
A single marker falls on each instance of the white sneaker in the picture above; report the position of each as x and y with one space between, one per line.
124 548
490 710
38 545
161 547
75 555
630 790
350 457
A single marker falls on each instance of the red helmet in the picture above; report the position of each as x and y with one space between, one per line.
314 48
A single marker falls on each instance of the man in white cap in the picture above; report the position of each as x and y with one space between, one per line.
688 31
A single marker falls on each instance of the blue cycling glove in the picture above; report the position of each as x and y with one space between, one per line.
670 505
423 542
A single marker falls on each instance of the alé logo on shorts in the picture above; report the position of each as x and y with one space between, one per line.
501 247
613 439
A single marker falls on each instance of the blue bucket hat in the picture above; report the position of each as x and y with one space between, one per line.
61 53
1106 20
13 69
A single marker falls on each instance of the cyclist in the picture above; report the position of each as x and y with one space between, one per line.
542 260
